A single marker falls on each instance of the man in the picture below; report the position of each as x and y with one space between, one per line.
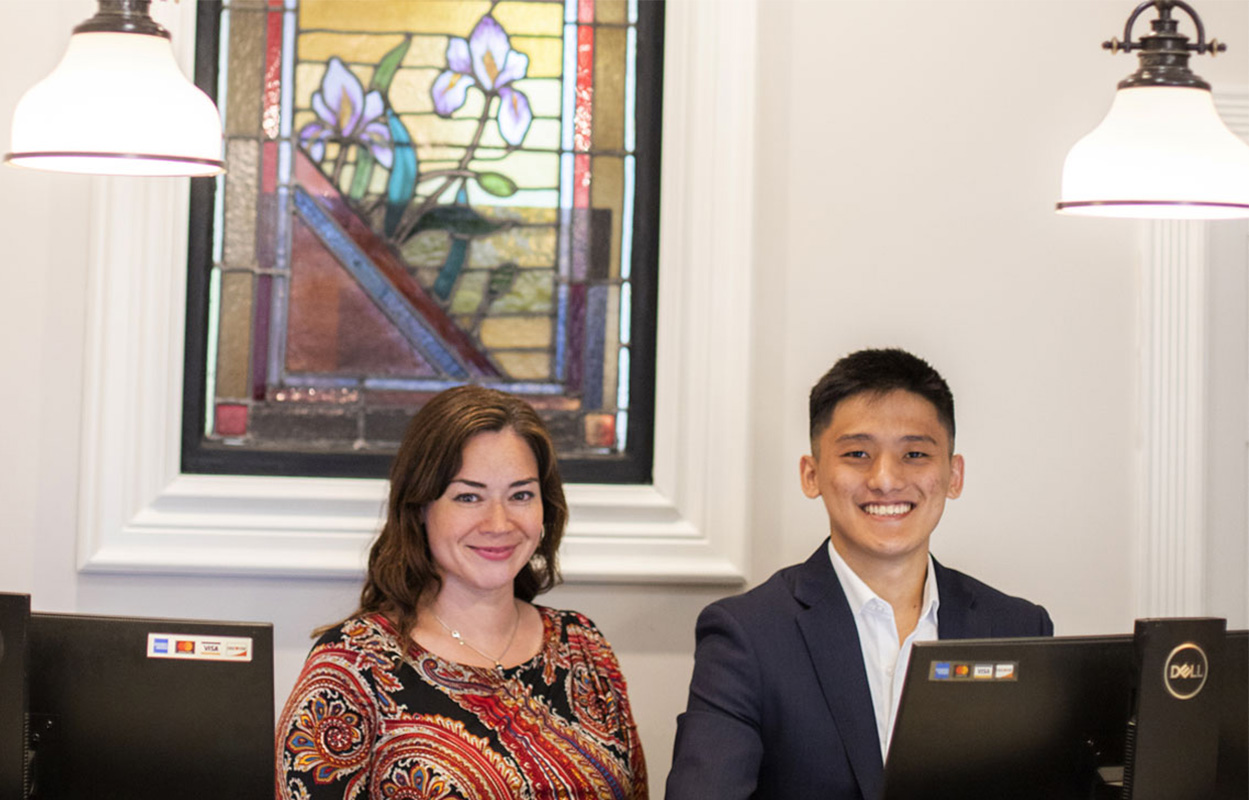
796 682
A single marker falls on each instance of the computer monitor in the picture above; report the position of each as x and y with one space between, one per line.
142 709
1041 718
14 616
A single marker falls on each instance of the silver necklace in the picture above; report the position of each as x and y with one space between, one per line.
498 661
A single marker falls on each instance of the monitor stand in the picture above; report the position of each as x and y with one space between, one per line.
1173 735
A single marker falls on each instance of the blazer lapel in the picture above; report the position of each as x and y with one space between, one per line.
958 616
832 640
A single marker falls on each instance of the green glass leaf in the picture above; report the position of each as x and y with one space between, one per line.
496 184
501 278
363 174
389 65
456 220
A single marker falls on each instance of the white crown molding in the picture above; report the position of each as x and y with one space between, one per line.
1171 546
139 514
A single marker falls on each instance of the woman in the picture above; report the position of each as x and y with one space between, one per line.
448 682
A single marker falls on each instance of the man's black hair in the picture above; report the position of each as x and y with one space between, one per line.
879 372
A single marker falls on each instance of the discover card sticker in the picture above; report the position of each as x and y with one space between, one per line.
199 648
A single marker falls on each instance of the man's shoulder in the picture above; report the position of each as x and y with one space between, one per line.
1008 615
777 593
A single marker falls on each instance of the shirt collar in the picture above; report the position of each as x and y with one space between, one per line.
859 595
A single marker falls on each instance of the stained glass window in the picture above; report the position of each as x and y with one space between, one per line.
423 193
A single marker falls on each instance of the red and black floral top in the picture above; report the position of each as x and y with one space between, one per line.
371 717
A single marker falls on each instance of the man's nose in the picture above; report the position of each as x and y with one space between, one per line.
885 475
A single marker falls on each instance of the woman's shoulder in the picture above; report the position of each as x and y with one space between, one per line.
371 633
566 617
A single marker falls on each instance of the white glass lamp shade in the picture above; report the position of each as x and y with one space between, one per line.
117 104
1162 152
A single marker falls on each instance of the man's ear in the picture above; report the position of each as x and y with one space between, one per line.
807 476
956 477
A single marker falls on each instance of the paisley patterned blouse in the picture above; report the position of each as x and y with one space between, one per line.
371 718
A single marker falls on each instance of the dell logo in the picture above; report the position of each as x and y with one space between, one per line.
1185 672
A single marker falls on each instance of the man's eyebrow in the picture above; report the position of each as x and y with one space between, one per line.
855 437
867 437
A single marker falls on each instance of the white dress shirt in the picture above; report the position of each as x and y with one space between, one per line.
884 659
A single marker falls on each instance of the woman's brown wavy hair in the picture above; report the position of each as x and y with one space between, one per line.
401 569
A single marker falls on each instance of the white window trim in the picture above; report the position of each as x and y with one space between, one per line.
138 513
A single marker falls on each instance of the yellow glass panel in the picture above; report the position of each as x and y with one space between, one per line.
609 64
532 292
528 169
607 191
611 342
242 187
531 18
247 47
429 249
387 15
612 12
545 96
350 47
526 247
234 335
410 91
469 292
546 55
523 365
516 332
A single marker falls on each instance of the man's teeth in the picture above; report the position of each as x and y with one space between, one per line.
890 510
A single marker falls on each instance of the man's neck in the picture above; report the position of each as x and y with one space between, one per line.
900 583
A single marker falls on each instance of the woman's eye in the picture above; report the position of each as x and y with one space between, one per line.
523 496
466 497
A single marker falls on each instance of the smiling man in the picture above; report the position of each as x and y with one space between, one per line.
796 682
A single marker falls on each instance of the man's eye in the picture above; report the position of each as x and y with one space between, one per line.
855 454
917 454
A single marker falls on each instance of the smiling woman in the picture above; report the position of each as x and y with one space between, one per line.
448 681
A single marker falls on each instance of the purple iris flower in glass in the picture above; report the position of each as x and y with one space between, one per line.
487 60
346 113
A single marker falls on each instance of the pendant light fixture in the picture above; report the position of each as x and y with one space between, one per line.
118 104
1162 151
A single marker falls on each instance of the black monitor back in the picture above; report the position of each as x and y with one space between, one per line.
14 618
1054 711
119 710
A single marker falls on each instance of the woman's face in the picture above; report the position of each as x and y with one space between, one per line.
487 524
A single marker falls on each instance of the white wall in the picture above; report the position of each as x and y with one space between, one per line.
908 160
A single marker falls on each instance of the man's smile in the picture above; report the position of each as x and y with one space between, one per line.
887 509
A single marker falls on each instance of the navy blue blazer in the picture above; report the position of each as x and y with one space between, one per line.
779 705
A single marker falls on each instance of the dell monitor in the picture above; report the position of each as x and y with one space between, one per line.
1042 719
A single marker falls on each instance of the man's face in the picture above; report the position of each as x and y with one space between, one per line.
884 471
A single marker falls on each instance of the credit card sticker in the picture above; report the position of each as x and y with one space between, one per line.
199 648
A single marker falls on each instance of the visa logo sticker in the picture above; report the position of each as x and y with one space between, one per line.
983 671
199 648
